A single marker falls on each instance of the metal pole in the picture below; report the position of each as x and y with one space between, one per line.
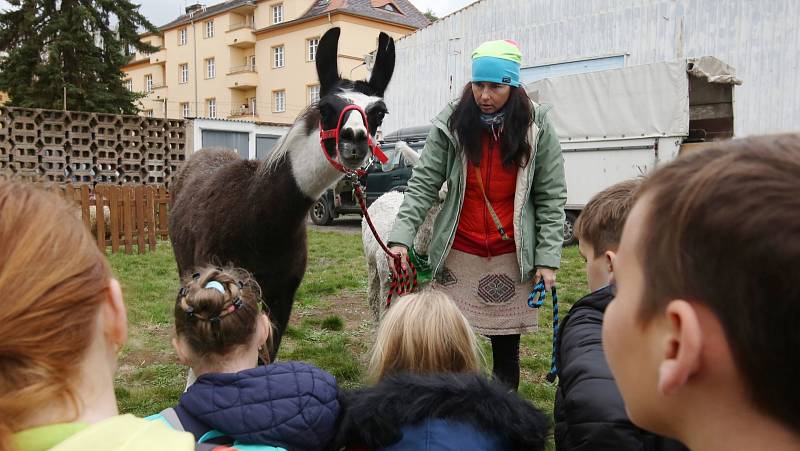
65 98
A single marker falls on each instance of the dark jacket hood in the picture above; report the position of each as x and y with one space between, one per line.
292 405
375 416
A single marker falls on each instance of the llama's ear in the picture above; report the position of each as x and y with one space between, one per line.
327 61
384 65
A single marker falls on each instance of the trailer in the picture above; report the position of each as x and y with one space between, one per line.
619 124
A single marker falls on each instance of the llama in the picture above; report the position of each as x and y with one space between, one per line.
251 214
383 213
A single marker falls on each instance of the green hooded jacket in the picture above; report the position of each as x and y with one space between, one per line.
538 203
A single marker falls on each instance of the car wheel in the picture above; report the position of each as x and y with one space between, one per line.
321 212
569 229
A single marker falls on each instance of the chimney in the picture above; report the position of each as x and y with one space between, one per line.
191 9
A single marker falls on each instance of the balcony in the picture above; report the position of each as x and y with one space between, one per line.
243 112
159 57
243 77
241 35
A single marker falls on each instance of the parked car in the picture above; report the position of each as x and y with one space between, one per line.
380 178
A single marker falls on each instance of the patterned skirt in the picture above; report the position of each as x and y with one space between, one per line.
488 292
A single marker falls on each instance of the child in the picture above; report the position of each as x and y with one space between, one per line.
589 412
220 333
702 335
62 324
430 393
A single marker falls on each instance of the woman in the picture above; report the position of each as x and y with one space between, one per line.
62 324
501 226
429 392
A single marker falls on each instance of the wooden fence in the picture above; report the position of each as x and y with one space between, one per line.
121 217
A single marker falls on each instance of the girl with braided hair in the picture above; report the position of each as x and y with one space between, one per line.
220 333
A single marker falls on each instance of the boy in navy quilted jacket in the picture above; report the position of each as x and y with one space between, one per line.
589 412
220 333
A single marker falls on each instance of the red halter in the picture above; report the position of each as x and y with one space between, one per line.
334 134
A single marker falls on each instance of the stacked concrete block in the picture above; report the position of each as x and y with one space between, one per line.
154 150
52 140
90 148
5 144
24 159
176 147
80 158
106 137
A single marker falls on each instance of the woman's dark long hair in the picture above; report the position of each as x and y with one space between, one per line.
514 146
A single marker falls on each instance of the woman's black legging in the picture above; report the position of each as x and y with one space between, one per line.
505 353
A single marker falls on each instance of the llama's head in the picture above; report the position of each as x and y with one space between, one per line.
355 132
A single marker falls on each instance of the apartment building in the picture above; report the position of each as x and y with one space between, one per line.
255 59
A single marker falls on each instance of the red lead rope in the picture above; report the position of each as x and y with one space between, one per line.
406 280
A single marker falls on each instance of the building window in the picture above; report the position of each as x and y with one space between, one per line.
313 43
211 68
313 94
129 84
211 107
185 111
277 13
250 61
148 113
277 56
210 29
182 36
279 101
148 83
183 70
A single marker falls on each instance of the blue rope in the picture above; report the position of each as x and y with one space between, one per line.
533 302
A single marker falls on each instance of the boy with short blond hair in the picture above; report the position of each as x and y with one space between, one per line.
589 411
702 335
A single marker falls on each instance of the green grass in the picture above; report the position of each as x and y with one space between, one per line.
331 326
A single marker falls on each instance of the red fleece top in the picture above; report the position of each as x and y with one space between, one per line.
476 233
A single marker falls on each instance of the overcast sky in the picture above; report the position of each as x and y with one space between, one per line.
162 11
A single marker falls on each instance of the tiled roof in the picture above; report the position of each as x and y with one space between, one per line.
408 15
208 11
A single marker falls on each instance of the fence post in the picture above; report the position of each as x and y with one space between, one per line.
114 210
83 196
151 217
163 222
140 231
100 216
127 209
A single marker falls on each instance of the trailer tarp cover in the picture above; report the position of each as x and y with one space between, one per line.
651 100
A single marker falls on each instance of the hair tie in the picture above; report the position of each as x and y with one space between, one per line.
216 285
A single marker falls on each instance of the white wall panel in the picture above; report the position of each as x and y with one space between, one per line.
760 39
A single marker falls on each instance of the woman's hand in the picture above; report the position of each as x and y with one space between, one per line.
549 276
403 252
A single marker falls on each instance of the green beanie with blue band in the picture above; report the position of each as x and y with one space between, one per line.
497 62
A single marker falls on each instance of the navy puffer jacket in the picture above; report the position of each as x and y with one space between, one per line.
290 405
589 411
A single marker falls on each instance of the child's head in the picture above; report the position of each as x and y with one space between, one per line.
424 332
705 317
599 228
62 319
218 321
